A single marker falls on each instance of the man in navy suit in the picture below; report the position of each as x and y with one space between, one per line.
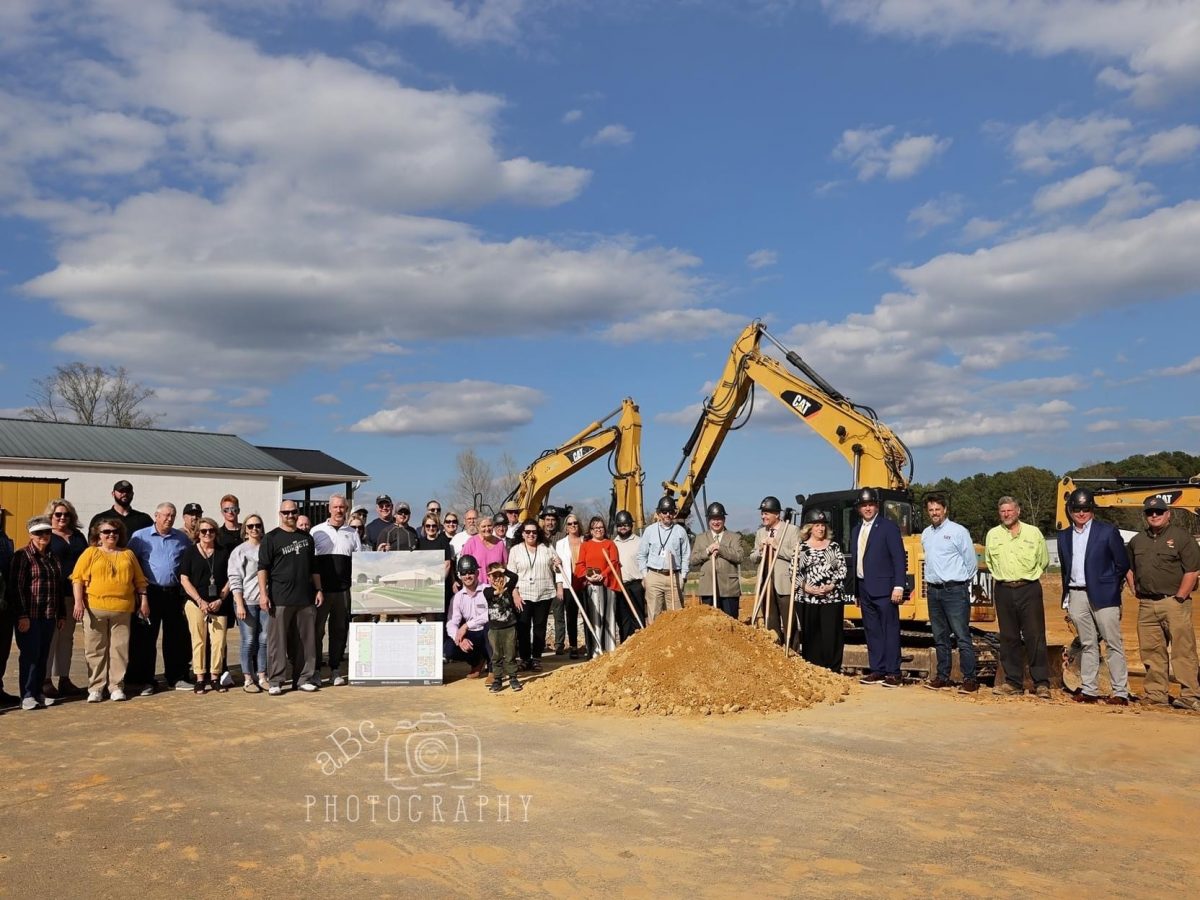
1094 563
879 564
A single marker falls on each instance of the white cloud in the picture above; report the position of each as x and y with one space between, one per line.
686 416
762 259
356 264
571 116
1191 367
1048 144
327 399
674 325
243 425
1023 420
251 398
867 150
614 135
977 454
933 213
1024 387
453 408
978 229
1171 145
1102 425
1078 189
1154 43
464 23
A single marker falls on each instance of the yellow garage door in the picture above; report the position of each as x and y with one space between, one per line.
25 497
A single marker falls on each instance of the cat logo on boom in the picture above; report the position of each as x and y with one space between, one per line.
578 453
806 406
1168 497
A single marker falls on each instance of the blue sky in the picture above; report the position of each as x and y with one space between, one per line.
392 229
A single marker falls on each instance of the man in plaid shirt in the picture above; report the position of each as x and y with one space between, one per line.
35 594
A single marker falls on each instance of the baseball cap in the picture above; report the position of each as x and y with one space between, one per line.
123 486
192 509
1156 503
403 507
381 499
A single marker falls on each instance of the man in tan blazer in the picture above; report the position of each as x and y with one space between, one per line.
716 547
780 541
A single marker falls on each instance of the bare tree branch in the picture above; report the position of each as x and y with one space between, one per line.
90 395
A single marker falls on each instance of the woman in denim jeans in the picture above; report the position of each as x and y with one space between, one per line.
253 620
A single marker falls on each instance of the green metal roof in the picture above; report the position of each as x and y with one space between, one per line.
23 439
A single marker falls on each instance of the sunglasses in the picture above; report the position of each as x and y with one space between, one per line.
526 531
403 512
289 512
1155 512
434 509
254 526
107 532
62 515
452 521
569 524
231 509
431 527
207 531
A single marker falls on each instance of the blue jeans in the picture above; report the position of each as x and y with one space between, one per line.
34 646
254 629
950 611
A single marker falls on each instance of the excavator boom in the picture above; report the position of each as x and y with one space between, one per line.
1128 493
623 440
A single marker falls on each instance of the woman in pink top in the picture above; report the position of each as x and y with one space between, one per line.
489 545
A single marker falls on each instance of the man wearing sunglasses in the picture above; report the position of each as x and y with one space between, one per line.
385 518
399 535
290 584
1165 566
229 534
1094 565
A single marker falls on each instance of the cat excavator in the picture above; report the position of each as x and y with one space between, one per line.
1129 493
877 457
621 442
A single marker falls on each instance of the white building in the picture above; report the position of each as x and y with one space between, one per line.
43 460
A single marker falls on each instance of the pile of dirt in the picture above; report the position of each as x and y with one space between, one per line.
693 661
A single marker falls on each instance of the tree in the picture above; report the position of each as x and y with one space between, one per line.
474 476
90 395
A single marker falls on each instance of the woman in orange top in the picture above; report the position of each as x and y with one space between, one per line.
602 582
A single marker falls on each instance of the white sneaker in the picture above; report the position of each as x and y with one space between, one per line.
274 690
226 679
338 680
94 697
308 687
147 691
47 701
117 695
29 703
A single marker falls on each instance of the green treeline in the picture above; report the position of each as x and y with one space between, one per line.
973 499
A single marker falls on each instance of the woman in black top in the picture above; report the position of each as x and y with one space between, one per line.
433 538
204 577
67 544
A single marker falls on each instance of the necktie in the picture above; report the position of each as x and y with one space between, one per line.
863 533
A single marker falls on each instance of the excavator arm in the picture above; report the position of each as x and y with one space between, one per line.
1128 493
876 455
623 440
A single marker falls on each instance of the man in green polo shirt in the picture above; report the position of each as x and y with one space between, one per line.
1016 555
1165 565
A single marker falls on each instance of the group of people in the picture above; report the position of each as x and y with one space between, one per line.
135 578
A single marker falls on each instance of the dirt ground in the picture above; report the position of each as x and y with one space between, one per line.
891 790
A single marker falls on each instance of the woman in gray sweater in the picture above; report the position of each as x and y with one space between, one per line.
252 618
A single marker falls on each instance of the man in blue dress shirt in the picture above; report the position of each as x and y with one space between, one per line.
950 566
159 549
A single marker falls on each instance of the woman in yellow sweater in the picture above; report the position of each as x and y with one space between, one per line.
108 585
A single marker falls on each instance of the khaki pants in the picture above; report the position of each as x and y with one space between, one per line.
212 627
61 647
1161 622
660 594
106 648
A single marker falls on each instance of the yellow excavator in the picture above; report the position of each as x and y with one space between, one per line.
877 456
1129 493
621 442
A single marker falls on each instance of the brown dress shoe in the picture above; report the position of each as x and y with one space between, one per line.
1081 697
937 683
1042 692
1114 700
969 686
891 681
871 678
